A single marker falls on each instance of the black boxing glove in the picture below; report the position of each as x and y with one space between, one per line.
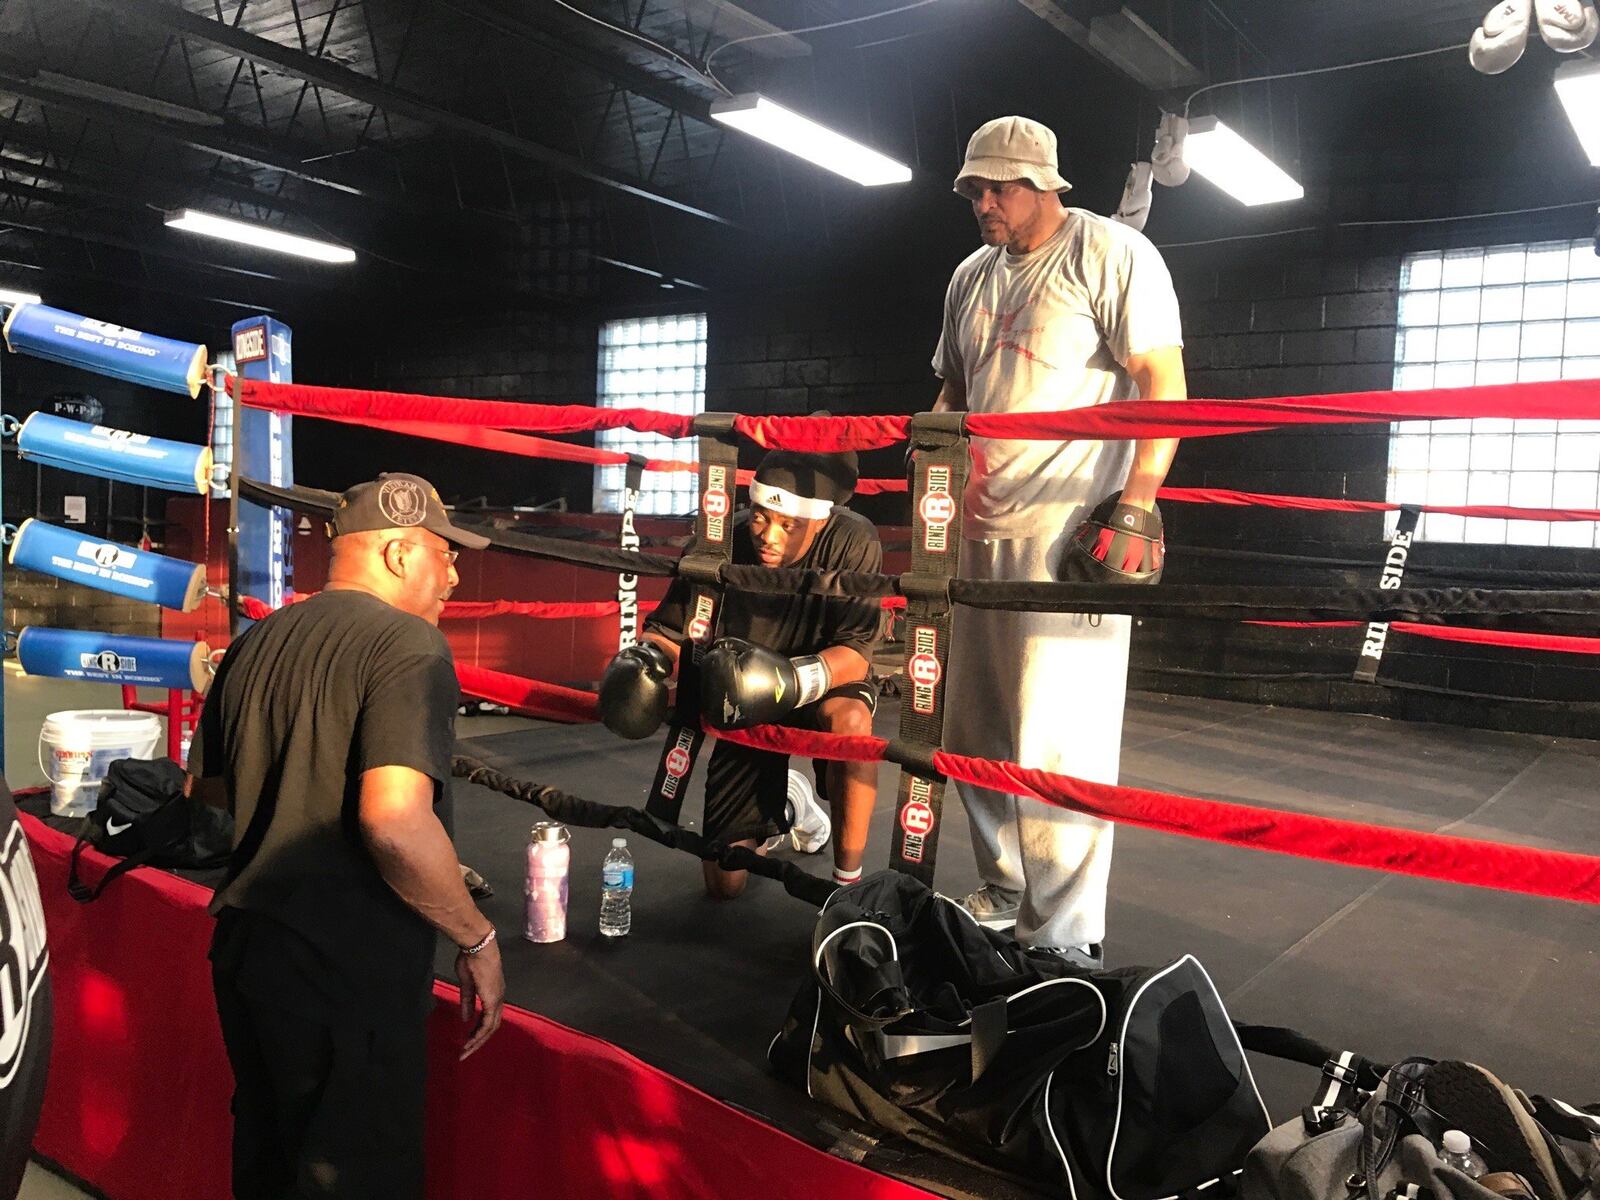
1117 543
742 684
633 691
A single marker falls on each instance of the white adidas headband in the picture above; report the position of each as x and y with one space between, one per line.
788 504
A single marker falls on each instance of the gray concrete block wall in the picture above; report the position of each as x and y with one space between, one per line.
34 599
1312 327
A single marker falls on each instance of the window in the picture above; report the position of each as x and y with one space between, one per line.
659 363
222 433
1504 314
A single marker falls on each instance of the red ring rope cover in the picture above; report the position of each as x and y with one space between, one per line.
1570 399
1555 874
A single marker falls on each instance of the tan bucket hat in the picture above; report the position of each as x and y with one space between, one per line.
1013 148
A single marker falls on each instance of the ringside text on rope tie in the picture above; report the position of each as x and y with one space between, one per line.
939 475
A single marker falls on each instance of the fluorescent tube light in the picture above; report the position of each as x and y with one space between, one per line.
258 235
1236 166
771 122
1578 86
7 296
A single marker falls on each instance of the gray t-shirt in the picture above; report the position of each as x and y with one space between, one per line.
1047 331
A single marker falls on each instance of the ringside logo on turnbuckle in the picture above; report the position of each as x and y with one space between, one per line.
938 510
715 504
923 668
916 819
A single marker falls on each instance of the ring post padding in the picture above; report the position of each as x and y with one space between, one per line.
939 477
112 658
106 349
114 454
109 566
263 449
712 550
1394 571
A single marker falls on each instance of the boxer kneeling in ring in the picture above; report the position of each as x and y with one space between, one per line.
798 660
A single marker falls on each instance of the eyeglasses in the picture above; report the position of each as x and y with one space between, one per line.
450 555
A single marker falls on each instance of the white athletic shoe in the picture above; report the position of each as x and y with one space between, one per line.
1567 26
1499 42
1166 160
1134 210
809 824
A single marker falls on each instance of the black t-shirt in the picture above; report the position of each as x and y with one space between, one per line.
303 703
797 624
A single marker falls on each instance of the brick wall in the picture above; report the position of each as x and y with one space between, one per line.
34 599
1262 329
532 358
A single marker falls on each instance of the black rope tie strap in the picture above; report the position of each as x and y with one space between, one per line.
938 478
702 567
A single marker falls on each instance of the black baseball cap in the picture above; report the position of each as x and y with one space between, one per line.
397 501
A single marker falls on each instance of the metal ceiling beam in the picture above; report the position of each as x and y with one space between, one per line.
168 18
636 79
102 277
229 144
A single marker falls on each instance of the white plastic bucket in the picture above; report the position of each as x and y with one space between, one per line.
77 746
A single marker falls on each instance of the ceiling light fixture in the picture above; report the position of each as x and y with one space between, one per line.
260 236
1578 86
9 297
801 136
1235 166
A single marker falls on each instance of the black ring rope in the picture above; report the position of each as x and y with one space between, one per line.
1575 611
590 814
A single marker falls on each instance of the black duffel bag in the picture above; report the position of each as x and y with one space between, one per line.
1109 1085
143 818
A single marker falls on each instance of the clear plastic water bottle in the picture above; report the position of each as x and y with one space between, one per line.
616 890
1456 1151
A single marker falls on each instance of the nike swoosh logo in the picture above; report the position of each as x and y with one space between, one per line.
114 829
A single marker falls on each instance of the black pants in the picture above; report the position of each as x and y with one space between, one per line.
321 1110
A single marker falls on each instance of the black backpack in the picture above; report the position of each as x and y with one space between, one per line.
1111 1085
143 817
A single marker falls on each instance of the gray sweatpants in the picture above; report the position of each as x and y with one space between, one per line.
1043 690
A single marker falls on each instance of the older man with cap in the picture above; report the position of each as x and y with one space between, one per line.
793 659
328 733
1059 309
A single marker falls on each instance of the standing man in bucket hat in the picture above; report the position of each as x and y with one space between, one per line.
1060 309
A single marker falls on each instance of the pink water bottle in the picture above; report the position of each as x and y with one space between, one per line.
545 890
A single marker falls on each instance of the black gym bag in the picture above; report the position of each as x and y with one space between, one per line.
143 817
1113 1085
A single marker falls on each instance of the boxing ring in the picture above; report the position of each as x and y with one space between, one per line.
1259 876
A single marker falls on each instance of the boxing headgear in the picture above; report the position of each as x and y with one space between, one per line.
1117 543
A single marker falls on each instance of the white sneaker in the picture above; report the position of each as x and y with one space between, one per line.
1567 26
810 827
1134 210
1166 160
993 907
1499 42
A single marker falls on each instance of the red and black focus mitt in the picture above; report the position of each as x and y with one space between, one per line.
1117 543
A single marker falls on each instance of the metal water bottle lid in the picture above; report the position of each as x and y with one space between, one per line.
549 831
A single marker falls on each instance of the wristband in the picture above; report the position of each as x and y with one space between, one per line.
813 676
483 944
